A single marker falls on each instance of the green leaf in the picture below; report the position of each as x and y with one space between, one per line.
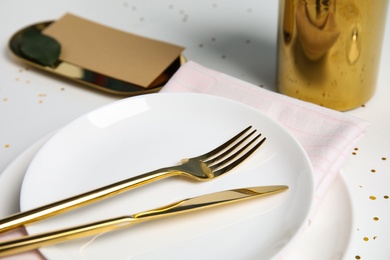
40 48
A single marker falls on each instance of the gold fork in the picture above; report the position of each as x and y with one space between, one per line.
202 168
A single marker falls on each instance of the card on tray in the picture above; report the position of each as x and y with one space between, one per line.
108 51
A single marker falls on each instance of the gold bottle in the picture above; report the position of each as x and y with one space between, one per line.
329 50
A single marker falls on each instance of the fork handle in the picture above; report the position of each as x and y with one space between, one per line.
23 244
77 201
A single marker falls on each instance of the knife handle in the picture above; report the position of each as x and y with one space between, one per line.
27 243
56 208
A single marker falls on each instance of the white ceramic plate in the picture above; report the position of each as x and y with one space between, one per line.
143 133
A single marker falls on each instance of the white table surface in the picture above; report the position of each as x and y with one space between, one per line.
234 37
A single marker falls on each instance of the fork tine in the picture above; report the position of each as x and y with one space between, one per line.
238 160
232 156
226 144
223 154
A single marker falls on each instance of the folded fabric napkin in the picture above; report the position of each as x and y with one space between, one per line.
327 136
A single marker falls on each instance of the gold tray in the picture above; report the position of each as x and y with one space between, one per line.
87 77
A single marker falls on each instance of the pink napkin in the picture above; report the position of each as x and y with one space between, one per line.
327 136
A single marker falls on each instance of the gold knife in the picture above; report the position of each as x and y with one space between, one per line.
200 202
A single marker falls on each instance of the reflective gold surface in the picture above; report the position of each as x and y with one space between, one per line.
329 52
201 168
186 205
87 77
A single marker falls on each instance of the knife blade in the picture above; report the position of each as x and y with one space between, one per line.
186 205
